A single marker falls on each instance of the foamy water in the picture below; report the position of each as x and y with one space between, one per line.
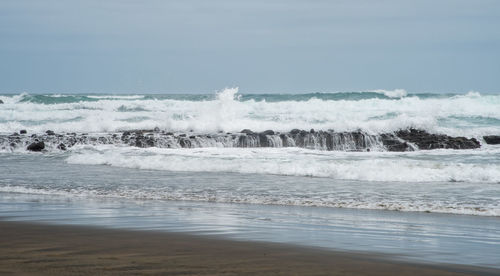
380 111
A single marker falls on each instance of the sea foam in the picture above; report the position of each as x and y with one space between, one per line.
470 115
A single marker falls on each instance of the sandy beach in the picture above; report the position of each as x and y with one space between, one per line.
42 249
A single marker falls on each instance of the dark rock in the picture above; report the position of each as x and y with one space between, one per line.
150 142
50 132
295 131
492 139
393 143
268 132
247 131
312 130
23 131
15 134
126 133
425 140
182 135
185 143
61 146
1 102
192 137
169 133
263 141
156 129
36 146
139 143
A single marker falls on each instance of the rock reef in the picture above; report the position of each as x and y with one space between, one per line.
330 140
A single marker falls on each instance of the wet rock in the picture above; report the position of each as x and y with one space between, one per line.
61 146
50 132
312 130
185 143
23 131
1 102
268 132
263 141
150 142
156 129
247 131
427 141
139 143
192 137
36 146
393 143
492 139
182 135
295 131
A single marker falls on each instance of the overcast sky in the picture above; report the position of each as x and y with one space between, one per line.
137 46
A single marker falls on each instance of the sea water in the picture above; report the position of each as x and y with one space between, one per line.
424 182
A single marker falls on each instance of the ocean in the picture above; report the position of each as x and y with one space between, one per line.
358 179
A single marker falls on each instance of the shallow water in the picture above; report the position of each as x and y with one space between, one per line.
48 189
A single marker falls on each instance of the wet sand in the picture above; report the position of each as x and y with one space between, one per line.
41 249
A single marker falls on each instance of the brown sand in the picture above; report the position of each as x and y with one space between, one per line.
37 249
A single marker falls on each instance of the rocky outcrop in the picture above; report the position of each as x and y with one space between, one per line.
330 140
426 141
1 102
36 146
492 139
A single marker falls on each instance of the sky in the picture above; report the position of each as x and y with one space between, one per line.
260 46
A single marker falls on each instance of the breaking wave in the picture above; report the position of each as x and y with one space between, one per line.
379 111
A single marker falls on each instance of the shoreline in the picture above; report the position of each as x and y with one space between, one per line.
36 248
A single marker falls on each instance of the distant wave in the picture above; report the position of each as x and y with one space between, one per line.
396 93
379 111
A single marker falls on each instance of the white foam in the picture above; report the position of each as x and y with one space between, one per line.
298 162
228 113
396 93
459 182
